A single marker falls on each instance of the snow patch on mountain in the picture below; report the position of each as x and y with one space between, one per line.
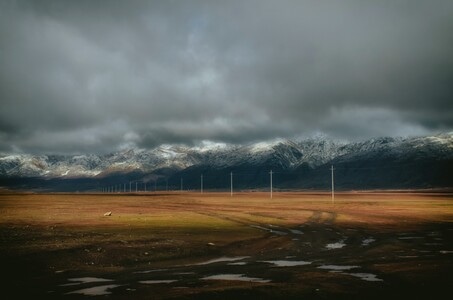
278 153
264 146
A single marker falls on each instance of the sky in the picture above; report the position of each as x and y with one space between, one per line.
100 76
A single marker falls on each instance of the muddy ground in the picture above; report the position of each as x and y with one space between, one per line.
213 246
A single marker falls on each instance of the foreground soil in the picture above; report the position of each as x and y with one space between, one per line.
213 246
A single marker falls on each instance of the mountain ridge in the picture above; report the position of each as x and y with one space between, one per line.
306 156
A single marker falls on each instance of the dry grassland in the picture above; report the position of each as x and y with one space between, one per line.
169 245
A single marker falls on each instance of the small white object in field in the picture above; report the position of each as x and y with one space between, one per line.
108 214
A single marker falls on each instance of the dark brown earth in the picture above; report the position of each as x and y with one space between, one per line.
48 239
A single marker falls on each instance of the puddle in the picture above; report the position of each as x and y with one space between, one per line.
235 277
81 280
96 290
185 273
260 227
365 276
240 263
150 271
446 252
434 233
337 268
71 284
89 279
410 237
157 281
337 245
221 259
407 256
287 263
295 231
269 230
367 241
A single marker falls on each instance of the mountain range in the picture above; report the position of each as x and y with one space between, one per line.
380 163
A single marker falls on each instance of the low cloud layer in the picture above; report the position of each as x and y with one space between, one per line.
97 76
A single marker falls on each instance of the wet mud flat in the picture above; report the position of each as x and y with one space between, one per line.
293 248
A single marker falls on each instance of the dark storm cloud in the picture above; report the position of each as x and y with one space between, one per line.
94 76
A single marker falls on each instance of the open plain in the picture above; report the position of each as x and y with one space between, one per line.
213 246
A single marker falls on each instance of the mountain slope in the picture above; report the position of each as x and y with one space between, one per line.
375 163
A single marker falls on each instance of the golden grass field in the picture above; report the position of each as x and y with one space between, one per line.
175 245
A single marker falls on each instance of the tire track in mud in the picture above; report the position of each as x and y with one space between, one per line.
315 218
261 241
316 233
210 212
314 228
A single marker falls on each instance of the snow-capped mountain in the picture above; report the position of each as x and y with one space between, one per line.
95 165
281 155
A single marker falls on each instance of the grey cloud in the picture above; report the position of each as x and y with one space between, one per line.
100 75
